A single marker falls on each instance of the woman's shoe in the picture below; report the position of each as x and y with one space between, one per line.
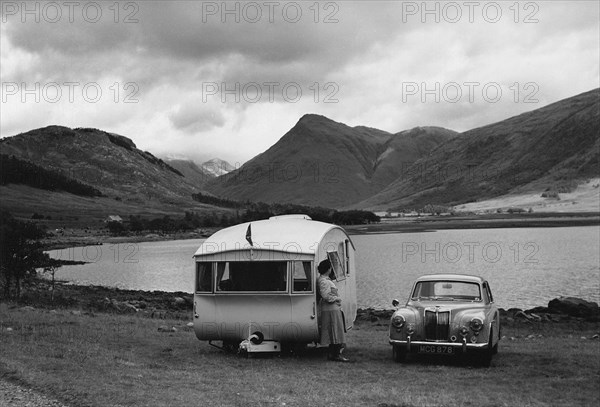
340 358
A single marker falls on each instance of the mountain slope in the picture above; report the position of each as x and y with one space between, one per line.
321 162
549 148
194 174
108 162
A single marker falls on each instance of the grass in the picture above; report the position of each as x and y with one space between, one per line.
105 359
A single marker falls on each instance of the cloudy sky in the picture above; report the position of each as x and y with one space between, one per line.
213 79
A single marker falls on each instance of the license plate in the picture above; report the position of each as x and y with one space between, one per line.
436 349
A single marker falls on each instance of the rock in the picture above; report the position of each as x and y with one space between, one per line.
164 328
191 325
521 314
28 308
538 310
575 307
128 308
179 302
596 336
9 329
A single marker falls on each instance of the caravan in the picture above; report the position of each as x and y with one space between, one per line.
255 286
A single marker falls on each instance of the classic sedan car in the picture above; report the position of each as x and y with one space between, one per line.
447 314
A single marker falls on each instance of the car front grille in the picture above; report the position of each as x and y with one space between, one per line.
437 325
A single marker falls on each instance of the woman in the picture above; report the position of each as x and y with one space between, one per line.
332 319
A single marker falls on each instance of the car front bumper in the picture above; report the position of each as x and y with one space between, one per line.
463 345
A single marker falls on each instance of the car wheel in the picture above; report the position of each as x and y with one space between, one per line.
486 355
495 349
398 353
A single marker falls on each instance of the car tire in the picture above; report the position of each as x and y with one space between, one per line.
486 355
398 353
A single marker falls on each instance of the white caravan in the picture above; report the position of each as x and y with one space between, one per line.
255 287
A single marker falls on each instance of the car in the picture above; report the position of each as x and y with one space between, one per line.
447 314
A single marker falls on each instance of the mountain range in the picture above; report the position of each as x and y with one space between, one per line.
128 180
321 162
318 162
551 149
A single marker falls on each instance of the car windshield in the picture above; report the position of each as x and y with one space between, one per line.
447 291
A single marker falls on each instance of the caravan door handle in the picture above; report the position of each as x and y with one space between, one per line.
314 315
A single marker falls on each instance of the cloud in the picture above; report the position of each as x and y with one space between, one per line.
196 117
204 82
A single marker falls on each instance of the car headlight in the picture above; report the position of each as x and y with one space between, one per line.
398 321
476 325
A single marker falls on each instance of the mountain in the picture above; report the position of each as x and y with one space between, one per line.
320 162
549 149
198 176
117 176
217 167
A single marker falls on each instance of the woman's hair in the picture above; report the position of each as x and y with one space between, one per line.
324 266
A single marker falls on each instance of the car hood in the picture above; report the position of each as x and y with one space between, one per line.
446 305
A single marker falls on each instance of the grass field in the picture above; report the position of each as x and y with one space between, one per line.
104 359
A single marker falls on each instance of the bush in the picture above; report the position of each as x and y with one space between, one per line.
20 253
551 194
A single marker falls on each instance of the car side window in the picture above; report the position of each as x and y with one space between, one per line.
487 295
489 292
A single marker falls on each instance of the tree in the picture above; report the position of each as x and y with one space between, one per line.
20 253
116 228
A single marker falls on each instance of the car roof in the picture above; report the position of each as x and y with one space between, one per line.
451 277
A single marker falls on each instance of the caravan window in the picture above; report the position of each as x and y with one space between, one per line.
204 277
235 276
338 268
301 275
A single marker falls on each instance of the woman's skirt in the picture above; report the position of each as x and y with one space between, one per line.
332 328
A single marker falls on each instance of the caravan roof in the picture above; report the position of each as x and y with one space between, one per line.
288 233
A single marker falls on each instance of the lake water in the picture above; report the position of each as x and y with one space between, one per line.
526 267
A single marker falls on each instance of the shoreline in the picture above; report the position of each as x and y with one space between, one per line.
85 237
179 304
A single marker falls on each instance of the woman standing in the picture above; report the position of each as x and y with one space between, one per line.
332 319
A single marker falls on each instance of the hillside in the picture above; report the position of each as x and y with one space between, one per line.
129 180
194 174
321 162
550 149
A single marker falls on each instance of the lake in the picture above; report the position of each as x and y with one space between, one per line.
526 267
